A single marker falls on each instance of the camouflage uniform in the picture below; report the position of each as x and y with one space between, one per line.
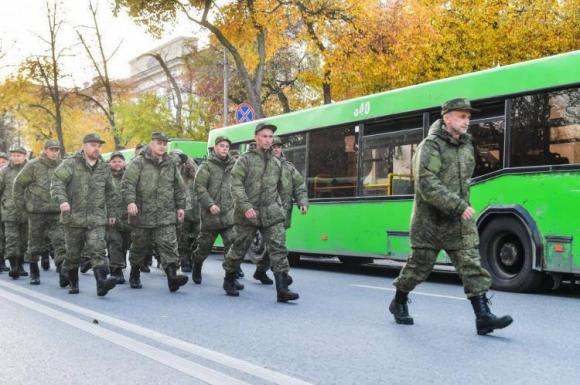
32 194
118 236
443 167
2 264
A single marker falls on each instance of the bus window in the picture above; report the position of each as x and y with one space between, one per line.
488 138
332 162
294 147
545 128
387 168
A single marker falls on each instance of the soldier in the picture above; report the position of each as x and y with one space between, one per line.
293 189
154 193
149 258
32 195
118 236
15 223
443 218
83 187
256 186
213 188
187 231
3 162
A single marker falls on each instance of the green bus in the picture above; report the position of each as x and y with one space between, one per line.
195 149
356 157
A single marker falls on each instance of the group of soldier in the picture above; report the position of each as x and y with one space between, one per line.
89 213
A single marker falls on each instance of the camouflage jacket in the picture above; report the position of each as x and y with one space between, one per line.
32 186
293 189
9 210
213 187
191 204
121 209
256 183
88 190
443 167
156 187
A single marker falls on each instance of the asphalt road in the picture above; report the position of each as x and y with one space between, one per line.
339 332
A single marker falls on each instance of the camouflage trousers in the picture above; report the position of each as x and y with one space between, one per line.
476 280
41 227
274 238
187 233
85 243
118 243
206 240
15 238
1 240
162 239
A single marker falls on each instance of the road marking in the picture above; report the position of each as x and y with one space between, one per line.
190 368
414 292
208 354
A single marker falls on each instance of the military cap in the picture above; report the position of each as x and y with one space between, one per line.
3 155
277 141
117 154
93 138
19 149
264 125
459 104
52 144
222 139
160 136
140 146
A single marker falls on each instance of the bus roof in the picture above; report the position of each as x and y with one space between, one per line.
553 71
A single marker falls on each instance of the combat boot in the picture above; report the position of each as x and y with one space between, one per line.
104 283
485 321
230 284
283 293
73 279
62 276
34 274
85 266
186 267
135 278
174 280
14 272
3 266
21 271
196 273
240 272
262 277
117 273
45 261
399 308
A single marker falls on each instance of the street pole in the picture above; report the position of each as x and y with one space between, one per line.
225 87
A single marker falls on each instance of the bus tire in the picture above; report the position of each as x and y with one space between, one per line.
506 252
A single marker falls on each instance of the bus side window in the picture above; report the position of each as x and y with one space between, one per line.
488 137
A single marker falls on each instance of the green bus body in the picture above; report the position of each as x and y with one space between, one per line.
543 201
195 149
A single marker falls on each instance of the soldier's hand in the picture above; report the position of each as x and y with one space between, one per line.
468 213
112 221
214 209
304 209
250 214
64 207
132 209
181 215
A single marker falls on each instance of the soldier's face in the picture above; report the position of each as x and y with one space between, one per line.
277 150
457 122
222 148
17 158
117 164
264 139
92 150
3 162
52 153
158 147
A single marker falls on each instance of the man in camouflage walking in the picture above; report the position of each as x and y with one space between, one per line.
256 188
293 189
83 187
32 195
154 193
443 218
3 162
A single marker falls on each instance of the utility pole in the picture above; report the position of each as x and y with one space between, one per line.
225 87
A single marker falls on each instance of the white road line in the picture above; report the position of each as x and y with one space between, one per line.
190 368
211 355
414 292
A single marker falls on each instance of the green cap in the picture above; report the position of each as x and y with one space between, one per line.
20 149
277 141
117 154
3 155
93 138
264 125
459 104
160 136
52 144
222 139
140 146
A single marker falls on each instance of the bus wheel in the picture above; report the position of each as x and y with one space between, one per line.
506 250
355 261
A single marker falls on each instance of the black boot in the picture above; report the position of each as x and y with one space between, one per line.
62 276
240 272
21 271
45 261
239 286
14 272
117 273
104 283
3 266
73 279
262 277
145 267
174 281
399 308
230 284
34 274
485 321
284 294
196 273
85 266
135 278
186 267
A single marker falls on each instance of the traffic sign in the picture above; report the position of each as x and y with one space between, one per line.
244 113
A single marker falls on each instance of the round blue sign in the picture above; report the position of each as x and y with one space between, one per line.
244 113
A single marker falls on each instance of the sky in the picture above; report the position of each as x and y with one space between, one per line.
21 22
